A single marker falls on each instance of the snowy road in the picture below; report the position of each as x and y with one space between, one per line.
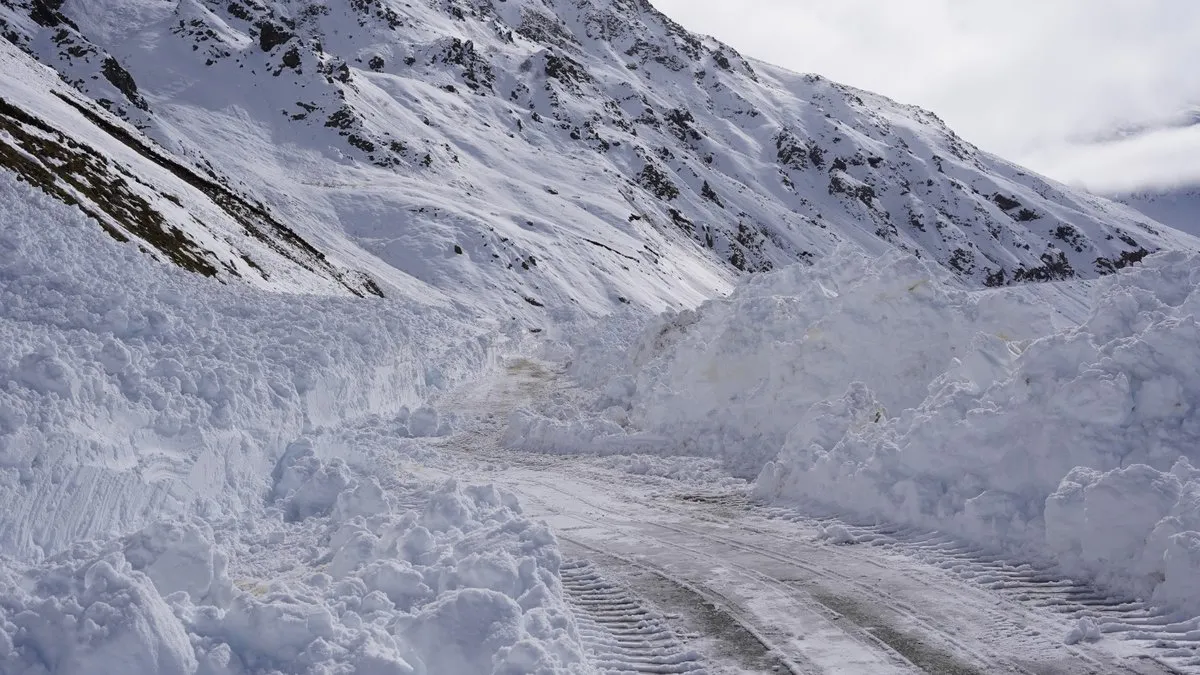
820 607
722 585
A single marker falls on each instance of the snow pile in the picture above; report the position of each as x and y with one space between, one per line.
1133 526
130 390
334 578
836 534
173 498
1085 630
732 378
986 452
882 388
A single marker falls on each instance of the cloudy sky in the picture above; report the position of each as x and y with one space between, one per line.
1091 92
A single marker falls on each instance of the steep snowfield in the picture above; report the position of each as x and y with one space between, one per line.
540 156
79 153
882 388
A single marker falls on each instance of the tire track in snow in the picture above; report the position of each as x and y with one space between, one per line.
1022 586
931 647
1028 591
1173 637
621 634
972 564
908 653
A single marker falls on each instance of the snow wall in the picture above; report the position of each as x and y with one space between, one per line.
170 501
881 388
131 390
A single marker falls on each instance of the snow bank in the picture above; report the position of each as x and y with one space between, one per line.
882 388
732 378
173 497
992 452
335 578
130 390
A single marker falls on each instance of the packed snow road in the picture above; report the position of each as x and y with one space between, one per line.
673 569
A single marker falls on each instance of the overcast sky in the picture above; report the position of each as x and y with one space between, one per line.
1036 81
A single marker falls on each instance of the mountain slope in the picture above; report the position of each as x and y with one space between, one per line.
74 150
525 154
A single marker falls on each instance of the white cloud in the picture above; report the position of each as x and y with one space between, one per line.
1161 159
1026 79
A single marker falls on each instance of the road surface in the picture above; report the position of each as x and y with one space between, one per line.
670 576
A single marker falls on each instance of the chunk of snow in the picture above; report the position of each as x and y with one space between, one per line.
837 534
1085 630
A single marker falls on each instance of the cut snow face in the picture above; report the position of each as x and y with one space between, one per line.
732 378
981 456
983 453
130 390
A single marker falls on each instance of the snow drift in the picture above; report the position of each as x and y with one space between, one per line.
883 388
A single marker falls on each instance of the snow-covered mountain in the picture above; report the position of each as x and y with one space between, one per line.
77 152
520 154
291 290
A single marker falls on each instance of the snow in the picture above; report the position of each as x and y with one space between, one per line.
169 505
881 387
247 473
466 584
269 517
